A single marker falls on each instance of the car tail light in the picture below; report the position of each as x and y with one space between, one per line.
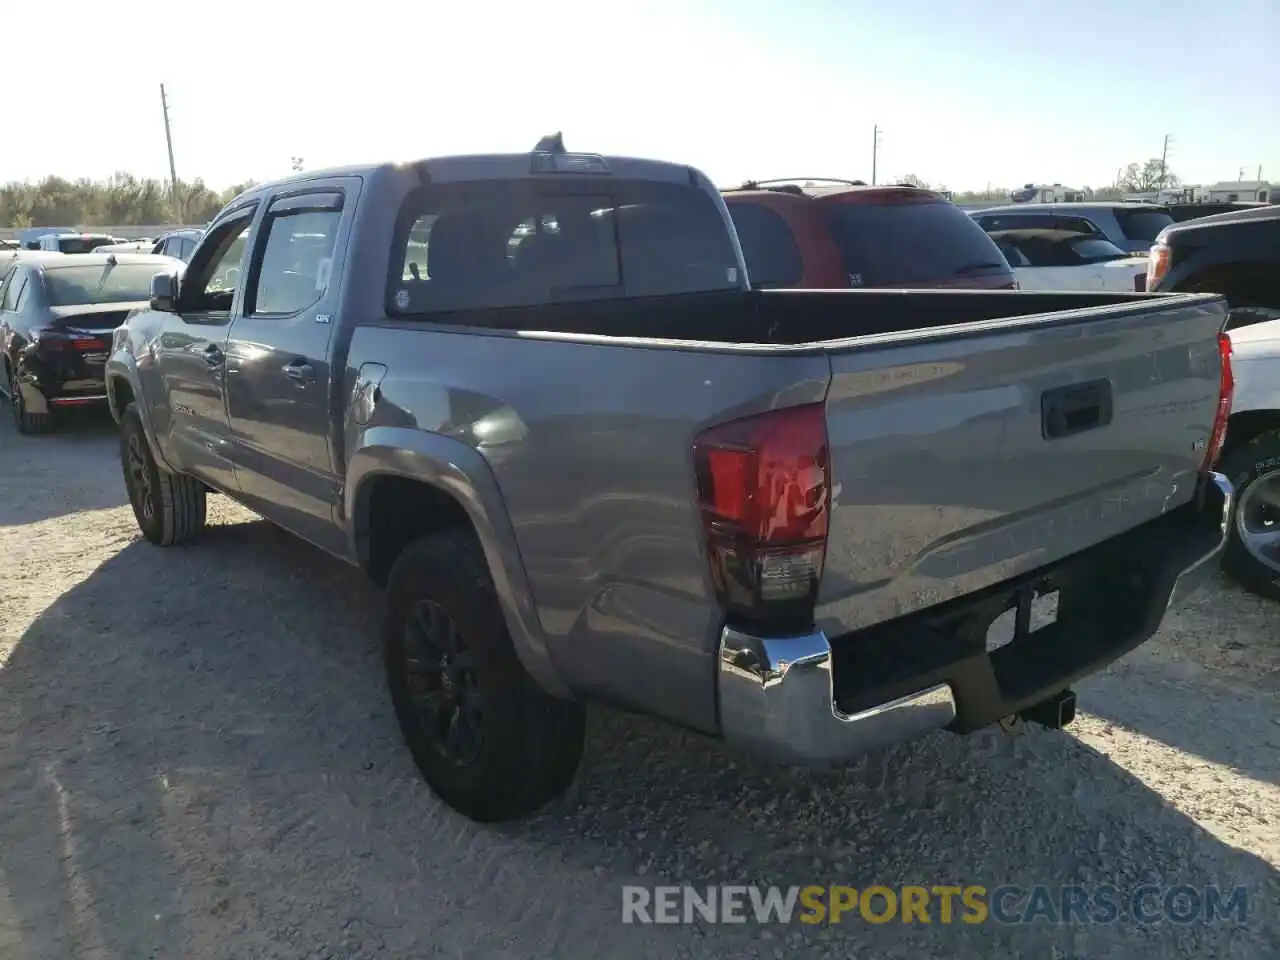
764 491
54 339
1139 283
1157 265
1226 391
50 339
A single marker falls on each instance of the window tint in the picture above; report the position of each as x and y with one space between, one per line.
210 282
773 259
11 291
184 248
1096 250
1018 221
1014 255
1142 225
98 283
1076 225
886 245
522 243
81 244
296 261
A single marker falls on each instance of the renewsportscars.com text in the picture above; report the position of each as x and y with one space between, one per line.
939 904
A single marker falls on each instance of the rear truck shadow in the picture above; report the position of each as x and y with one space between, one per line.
198 756
1217 665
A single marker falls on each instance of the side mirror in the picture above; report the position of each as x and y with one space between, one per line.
164 292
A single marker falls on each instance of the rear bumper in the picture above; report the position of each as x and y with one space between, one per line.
811 699
62 378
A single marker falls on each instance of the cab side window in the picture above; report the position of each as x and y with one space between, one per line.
295 261
210 283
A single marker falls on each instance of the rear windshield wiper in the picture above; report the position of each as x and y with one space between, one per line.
976 267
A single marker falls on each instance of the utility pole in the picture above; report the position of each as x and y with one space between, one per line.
875 150
1164 158
173 172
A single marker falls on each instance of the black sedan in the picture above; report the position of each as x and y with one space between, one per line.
57 314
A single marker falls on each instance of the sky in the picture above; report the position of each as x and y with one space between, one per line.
981 92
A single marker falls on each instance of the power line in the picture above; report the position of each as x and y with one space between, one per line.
173 172
1164 160
876 133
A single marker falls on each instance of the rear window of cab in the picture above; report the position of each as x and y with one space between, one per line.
910 242
494 244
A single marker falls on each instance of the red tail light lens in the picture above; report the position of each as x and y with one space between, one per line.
1226 391
764 491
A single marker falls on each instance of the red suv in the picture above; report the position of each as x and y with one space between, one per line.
837 233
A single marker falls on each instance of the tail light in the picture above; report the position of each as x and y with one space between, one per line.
48 339
60 341
1226 390
764 490
1157 265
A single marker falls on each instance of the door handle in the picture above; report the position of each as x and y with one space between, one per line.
299 371
213 355
1075 409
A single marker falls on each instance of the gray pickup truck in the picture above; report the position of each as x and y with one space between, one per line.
536 397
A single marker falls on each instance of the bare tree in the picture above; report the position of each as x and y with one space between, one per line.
1145 177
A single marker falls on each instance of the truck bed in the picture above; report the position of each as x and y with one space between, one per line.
799 317
943 480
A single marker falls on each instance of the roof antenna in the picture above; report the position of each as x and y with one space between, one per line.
552 143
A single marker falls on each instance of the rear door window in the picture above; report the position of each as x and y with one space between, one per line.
1017 221
768 246
1142 225
1096 250
1076 225
494 244
887 245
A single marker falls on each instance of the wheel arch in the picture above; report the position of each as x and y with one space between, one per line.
431 482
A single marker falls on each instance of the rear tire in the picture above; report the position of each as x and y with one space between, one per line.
489 741
24 421
169 507
1254 470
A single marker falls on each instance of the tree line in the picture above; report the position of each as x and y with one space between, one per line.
1147 177
120 200
126 200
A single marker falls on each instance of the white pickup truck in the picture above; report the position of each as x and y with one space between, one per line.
1066 260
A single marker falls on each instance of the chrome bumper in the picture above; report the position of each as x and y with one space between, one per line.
776 700
1218 501
777 695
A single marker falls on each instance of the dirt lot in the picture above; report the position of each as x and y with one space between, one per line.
197 759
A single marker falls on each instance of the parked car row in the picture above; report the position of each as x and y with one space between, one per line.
177 243
57 314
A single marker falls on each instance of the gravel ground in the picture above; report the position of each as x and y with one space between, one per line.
197 759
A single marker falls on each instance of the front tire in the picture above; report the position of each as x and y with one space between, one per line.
489 741
1253 551
169 507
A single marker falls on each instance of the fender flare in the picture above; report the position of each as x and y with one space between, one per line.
122 366
456 469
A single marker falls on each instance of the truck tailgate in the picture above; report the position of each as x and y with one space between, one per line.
963 457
